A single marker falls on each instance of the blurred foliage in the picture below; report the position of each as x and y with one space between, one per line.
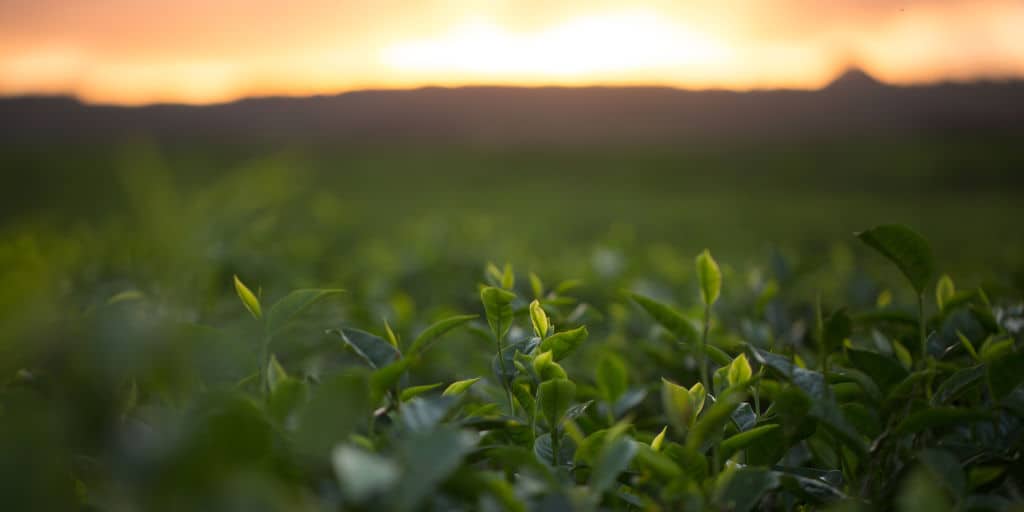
136 373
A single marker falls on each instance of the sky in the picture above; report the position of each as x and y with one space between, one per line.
203 51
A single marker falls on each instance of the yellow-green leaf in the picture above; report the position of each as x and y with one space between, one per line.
675 400
459 387
539 319
709 276
659 439
944 290
248 298
547 368
739 371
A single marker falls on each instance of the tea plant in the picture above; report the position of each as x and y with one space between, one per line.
869 409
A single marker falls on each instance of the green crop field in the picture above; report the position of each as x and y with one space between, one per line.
819 326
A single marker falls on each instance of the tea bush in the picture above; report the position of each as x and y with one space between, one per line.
746 397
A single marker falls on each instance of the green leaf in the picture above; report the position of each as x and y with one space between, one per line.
1006 373
745 439
660 464
947 468
508 278
554 398
995 349
377 352
386 378
697 397
659 439
435 331
921 491
710 424
668 318
885 371
413 391
361 474
248 298
536 285
459 387
275 373
906 249
677 404
709 276
612 377
337 406
545 452
944 290
284 310
968 346
739 371
498 308
424 414
693 463
563 343
392 338
539 319
613 460
287 397
427 459
836 329
546 368
958 383
823 405
740 490
938 417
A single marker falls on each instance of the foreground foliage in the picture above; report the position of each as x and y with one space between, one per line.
742 399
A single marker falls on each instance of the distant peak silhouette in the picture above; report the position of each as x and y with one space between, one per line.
853 79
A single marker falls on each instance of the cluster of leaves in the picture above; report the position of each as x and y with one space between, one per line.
877 409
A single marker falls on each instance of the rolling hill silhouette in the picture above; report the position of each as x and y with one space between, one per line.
853 104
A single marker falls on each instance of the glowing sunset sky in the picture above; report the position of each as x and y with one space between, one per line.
199 51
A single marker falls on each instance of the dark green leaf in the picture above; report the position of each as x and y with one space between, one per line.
906 249
671 320
939 417
744 439
435 331
292 304
563 343
554 398
957 383
612 377
740 490
337 407
376 351
427 459
710 425
885 371
615 457
1006 374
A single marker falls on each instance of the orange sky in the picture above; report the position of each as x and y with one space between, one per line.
201 51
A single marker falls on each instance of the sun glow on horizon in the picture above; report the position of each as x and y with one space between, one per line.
603 44
129 52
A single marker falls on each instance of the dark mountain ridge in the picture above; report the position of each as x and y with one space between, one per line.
853 104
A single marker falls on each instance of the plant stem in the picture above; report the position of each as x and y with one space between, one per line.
554 446
920 328
264 362
704 350
705 381
504 372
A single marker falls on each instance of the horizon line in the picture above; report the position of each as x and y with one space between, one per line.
77 98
